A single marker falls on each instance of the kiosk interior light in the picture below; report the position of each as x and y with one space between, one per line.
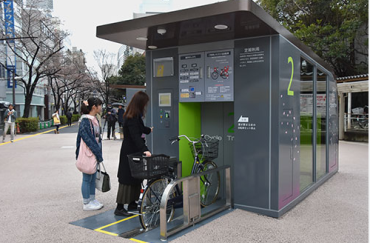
141 38
161 31
221 27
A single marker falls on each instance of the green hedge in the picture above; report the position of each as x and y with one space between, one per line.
75 117
63 120
28 124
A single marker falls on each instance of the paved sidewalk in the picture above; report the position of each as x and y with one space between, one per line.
41 194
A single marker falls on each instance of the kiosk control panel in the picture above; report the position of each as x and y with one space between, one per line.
191 81
165 110
206 76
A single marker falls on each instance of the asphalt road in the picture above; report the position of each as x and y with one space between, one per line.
40 194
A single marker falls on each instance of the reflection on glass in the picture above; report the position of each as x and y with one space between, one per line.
333 125
321 100
306 134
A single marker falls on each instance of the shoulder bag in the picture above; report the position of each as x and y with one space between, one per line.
102 181
86 161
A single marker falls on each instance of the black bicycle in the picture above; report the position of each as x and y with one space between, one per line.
159 170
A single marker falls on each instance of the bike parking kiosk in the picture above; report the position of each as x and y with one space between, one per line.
231 72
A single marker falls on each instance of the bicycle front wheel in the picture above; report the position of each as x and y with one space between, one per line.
150 203
209 184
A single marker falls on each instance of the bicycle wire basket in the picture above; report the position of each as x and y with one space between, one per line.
142 167
207 150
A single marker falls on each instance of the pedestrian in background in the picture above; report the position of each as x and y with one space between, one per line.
134 142
69 117
56 119
10 116
89 132
120 113
111 117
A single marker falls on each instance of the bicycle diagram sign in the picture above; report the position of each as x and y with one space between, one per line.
219 82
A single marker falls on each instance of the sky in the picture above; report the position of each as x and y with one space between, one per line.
81 17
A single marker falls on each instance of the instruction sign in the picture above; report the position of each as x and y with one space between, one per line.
219 79
251 55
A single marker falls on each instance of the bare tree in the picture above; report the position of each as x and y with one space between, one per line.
105 61
72 79
40 40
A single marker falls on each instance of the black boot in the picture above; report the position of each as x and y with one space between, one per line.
121 211
132 206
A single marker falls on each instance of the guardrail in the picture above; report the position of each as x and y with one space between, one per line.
191 201
356 122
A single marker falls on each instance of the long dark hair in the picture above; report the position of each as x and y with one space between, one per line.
85 109
137 105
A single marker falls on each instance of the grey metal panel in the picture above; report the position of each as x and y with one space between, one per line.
251 108
212 125
289 124
217 123
149 91
163 132
206 47
275 97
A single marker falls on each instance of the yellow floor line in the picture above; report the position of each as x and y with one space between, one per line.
114 234
140 241
30 136
106 232
108 225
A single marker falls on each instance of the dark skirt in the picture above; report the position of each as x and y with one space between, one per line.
128 193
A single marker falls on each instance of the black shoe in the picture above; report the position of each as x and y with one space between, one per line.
132 206
121 212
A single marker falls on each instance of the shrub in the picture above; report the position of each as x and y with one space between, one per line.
63 120
75 117
28 124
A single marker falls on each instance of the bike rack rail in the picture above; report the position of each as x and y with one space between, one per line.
191 201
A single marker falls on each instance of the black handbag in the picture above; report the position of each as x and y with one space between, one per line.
102 181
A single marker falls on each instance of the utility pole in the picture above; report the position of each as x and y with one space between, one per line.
13 87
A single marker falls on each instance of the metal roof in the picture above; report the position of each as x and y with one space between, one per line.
353 84
242 18
353 78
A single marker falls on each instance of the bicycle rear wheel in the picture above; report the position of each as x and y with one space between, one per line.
149 204
209 184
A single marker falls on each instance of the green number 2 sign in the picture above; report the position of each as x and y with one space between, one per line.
290 92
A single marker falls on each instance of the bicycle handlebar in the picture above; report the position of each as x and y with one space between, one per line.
176 139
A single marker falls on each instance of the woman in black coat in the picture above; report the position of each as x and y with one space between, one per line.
134 142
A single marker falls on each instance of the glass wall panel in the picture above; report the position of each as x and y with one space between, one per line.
306 133
333 128
321 131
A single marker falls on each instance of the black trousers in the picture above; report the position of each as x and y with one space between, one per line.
69 121
111 126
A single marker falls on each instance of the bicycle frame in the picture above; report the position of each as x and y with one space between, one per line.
196 162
